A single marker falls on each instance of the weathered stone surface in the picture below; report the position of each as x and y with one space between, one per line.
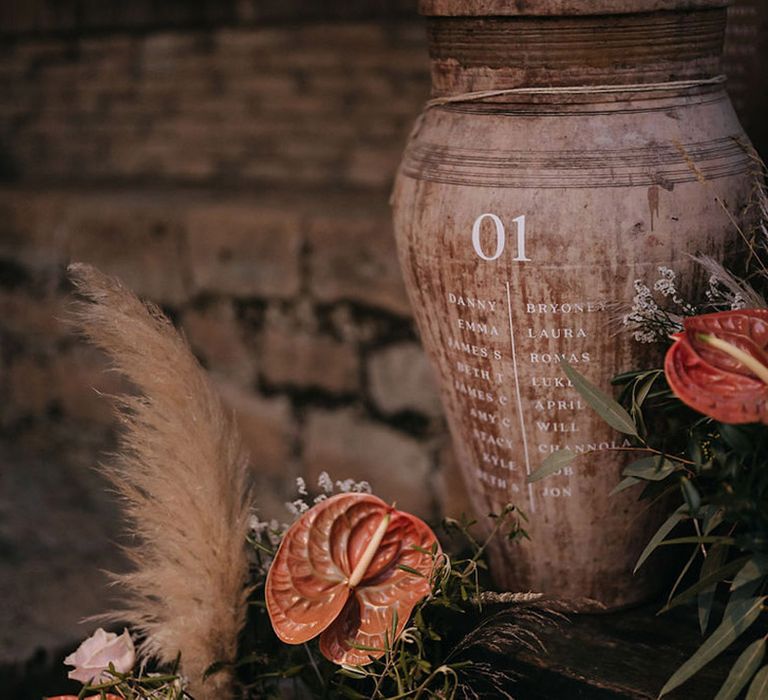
243 251
354 258
348 446
376 167
271 493
37 320
33 228
400 379
266 426
74 382
57 533
141 244
297 358
84 385
216 335
28 388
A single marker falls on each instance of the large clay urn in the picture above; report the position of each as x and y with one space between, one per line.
603 152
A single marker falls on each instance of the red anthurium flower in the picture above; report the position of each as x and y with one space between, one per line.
719 365
343 571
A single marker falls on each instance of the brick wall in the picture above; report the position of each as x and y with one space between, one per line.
237 174
293 301
310 106
239 177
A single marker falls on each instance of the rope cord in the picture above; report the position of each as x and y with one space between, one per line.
564 90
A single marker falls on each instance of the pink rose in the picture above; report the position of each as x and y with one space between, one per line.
94 655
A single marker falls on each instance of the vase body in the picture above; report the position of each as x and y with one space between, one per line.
521 219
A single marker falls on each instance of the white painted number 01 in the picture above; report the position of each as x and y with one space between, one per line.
501 237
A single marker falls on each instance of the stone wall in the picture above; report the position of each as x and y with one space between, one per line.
237 173
314 105
239 177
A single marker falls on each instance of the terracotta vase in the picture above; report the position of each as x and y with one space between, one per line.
521 218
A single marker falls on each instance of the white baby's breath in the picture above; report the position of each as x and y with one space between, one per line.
297 507
345 486
325 483
644 314
362 487
276 532
258 527
738 302
326 487
646 319
666 283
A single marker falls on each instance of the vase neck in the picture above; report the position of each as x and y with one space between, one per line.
492 53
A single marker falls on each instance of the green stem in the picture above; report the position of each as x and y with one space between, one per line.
500 522
314 664
647 448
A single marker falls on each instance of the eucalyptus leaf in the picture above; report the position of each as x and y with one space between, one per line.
633 375
625 483
653 468
552 464
609 410
716 576
348 692
715 557
352 671
642 393
736 619
758 690
667 526
755 568
712 517
748 590
691 495
700 539
694 555
744 668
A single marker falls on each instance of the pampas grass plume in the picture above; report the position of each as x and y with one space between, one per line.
183 479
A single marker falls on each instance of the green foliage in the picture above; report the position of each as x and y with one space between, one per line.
553 464
745 667
738 617
610 411
456 639
138 686
719 473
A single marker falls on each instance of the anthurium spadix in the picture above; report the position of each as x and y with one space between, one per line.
349 569
718 365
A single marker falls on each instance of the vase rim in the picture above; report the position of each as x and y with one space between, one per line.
533 8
